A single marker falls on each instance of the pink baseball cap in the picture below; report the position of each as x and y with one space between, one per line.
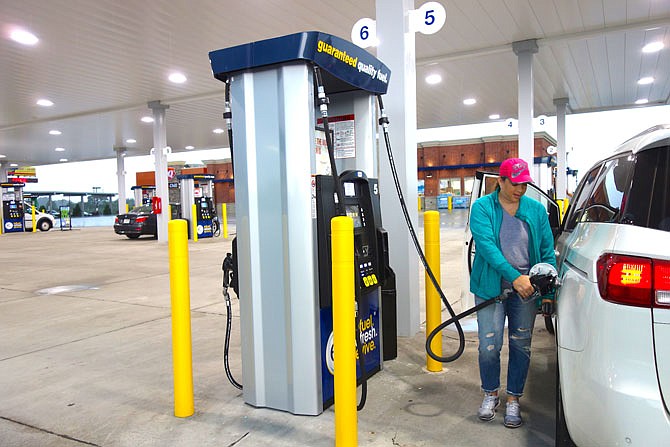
516 170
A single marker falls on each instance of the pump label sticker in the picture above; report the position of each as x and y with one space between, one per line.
344 136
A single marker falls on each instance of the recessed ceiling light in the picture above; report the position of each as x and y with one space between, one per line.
147 119
189 147
55 132
642 101
494 116
646 80
177 78
131 141
653 47
63 160
433 79
469 101
218 130
44 103
60 149
14 165
23 37
3 156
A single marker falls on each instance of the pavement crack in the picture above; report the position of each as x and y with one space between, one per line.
44 430
46 348
239 439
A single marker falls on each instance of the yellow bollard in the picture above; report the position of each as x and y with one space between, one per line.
194 222
169 211
224 216
34 223
431 225
344 331
126 207
181 318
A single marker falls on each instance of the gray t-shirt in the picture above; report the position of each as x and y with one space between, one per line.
514 244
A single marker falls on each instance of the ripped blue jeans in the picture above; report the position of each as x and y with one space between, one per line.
491 327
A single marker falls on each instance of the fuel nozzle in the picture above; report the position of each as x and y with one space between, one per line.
227 268
544 278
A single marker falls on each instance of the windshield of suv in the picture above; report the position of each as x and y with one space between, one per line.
648 204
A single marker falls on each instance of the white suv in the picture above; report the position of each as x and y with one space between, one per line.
613 308
612 318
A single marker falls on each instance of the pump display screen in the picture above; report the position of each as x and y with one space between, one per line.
349 189
203 204
353 212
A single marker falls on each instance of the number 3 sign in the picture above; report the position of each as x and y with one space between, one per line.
428 19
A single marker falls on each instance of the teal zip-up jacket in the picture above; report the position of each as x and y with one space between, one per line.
490 266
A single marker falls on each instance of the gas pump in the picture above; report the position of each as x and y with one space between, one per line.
143 194
197 189
361 203
284 204
12 207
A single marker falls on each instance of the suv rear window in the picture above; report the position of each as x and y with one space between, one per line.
648 204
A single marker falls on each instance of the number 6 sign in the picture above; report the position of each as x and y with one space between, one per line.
364 33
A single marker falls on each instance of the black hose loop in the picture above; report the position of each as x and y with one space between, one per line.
417 245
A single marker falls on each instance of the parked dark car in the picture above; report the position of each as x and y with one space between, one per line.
138 221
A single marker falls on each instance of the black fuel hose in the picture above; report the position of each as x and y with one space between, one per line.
228 118
227 268
542 283
384 123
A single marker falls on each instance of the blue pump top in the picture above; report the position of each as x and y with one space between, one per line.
338 57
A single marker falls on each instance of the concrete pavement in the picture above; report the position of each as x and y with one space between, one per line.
85 358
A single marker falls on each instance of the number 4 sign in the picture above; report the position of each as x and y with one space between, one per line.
428 19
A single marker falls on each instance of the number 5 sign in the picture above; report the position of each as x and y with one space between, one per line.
428 19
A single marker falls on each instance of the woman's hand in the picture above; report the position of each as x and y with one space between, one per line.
523 286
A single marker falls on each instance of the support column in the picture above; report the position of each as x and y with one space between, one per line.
397 51
524 50
561 156
121 177
4 167
160 155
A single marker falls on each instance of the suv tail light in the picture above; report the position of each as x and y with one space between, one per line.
634 281
662 283
116 220
141 219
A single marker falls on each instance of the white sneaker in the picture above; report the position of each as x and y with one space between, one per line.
488 409
513 415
